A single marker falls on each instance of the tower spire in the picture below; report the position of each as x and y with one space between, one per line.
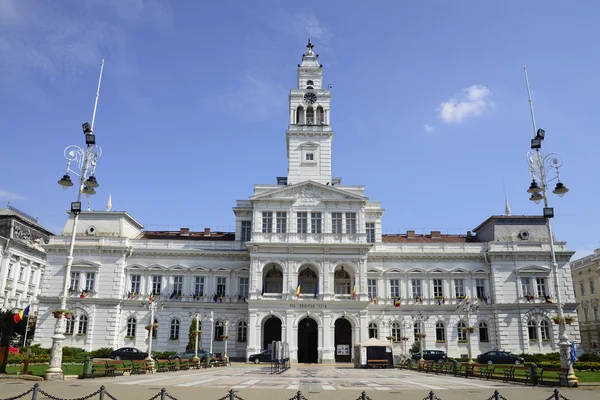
109 203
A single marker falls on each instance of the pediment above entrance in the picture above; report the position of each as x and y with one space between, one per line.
309 194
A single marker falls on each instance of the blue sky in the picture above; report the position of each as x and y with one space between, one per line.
429 105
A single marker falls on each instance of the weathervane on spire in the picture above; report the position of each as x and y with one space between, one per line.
309 46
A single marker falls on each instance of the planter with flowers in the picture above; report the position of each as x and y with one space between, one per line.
569 320
404 338
420 335
556 319
58 313
471 329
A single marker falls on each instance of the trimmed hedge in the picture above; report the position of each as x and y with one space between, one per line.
578 366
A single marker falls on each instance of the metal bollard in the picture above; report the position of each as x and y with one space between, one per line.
496 395
35 390
431 395
299 395
363 395
102 390
556 394
163 394
231 394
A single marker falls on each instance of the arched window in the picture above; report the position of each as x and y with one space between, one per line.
300 115
440 332
83 325
309 82
373 330
70 325
174 329
320 117
131 323
310 116
417 331
396 331
483 332
545 330
219 330
242 331
532 330
462 331
342 281
273 280
308 281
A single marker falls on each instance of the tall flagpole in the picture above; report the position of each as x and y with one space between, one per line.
26 330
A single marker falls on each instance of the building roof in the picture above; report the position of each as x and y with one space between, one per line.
531 219
434 236
186 234
11 211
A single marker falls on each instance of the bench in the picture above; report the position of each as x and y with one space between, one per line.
163 365
486 371
427 366
378 363
183 365
553 375
119 367
197 364
519 373
442 367
101 367
465 369
140 366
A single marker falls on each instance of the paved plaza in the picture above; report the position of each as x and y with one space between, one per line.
315 382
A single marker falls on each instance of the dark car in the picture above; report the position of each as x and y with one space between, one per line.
189 354
265 356
499 357
127 353
431 355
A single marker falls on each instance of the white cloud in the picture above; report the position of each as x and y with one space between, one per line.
5 194
472 102
253 88
428 128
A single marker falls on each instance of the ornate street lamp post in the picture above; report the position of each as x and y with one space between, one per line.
83 160
539 167
212 332
468 307
153 305
197 332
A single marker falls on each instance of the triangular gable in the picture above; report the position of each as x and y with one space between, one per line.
532 269
85 264
309 190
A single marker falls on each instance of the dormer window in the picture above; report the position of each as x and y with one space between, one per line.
310 157
309 82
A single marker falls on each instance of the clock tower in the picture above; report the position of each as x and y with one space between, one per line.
309 133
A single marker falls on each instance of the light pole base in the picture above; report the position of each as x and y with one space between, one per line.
572 380
54 376
150 361
470 361
422 363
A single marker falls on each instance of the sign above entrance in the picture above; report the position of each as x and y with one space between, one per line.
292 305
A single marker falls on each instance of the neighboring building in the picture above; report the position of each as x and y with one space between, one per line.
308 264
22 258
586 282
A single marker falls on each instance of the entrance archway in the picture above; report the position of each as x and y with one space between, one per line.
343 340
271 331
308 341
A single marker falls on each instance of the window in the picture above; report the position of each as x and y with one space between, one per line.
310 157
396 331
221 286
525 285
70 325
440 332
83 325
174 329
438 289
545 330
459 288
462 331
199 286
131 323
242 331
483 332
586 313
315 222
156 284
90 278
281 222
178 284
341 281
243 289
592 289
596 314
582 288
302 222
350 222
480 288
395 287
309 82
541 286
74 281
219 330
372 288
370 232
135 283
336 222
21 273
373 330
267 222
246 231
417 331
532 330
416 288
10 270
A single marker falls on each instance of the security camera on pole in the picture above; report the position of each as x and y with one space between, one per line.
83 160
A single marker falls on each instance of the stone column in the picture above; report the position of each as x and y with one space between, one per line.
4 271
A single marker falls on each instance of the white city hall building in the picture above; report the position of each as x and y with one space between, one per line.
308 265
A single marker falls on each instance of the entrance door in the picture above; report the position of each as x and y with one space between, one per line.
271 331
308 341
343 340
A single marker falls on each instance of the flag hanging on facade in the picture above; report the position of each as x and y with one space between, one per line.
20 315
397 302
298 288
354 289
317 289
548 299
150 298
83 294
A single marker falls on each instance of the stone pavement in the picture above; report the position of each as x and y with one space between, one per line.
315 382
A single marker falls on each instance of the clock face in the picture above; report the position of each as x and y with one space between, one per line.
310 98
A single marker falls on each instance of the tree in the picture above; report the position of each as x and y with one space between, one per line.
416 347
7 324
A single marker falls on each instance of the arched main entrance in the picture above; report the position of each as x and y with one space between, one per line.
271 331
343 340
308 341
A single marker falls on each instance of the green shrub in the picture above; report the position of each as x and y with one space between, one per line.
102 352
163 354
73 352
589 357
538 358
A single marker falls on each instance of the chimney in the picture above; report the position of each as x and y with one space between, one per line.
410 234
184 231
206 231
436 234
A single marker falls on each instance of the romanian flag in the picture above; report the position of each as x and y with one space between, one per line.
298 288
151 297
19 316
374 300
317 290
397 302
83 294
354 289
548 299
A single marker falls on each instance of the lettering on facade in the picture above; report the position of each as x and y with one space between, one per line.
308 305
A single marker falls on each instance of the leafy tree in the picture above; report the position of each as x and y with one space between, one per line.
7 324
416 348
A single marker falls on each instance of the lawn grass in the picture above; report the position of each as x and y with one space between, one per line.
38 370
585 376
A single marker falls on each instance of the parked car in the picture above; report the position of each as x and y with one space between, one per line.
189 354
265 356
431 355
127 353
499 357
